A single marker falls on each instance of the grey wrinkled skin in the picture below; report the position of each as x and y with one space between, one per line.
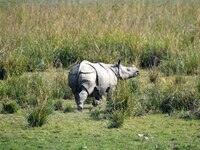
96 79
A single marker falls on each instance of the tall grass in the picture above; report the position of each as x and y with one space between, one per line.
148 32
162 35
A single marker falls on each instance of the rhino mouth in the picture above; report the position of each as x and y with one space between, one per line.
137 73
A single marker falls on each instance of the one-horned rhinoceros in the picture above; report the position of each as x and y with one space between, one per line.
97 79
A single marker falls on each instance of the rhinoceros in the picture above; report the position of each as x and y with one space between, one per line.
97 79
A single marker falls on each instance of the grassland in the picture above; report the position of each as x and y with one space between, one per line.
80 131
40 40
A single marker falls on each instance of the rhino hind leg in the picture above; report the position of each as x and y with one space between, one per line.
97 101
80 98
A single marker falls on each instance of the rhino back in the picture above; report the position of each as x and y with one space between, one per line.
106 78
91 76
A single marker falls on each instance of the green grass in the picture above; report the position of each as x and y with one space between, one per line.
79 131
37 36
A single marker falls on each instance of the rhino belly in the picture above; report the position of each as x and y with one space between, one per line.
106 80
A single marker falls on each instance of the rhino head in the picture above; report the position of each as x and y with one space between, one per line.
123 72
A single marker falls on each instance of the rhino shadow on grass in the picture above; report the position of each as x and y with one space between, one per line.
97 79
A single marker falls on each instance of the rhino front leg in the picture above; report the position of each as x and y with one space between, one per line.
80 99
109 93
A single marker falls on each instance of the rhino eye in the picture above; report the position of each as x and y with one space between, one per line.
128 69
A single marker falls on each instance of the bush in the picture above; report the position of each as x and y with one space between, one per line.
58 105
10 106
116 119
39 116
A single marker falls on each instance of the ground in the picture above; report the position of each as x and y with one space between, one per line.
77 130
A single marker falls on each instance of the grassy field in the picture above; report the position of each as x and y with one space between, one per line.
41 40
79 131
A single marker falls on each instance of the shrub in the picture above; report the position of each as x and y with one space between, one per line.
10 106
116 119
39 116
58 105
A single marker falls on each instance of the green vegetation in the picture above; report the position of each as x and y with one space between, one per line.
36 36
9 106
58 105
40 40
79 131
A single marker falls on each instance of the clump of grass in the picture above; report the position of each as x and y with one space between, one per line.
154 98
153 53
134 86
95 113
121 100
58 105
198 85
186 115
179 79
20 90
153 75
116 119
39 116
43 107
178 98
2 71
9 106
196 113
68 108
14 65
60 87
67 55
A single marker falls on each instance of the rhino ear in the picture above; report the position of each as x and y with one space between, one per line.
119 62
